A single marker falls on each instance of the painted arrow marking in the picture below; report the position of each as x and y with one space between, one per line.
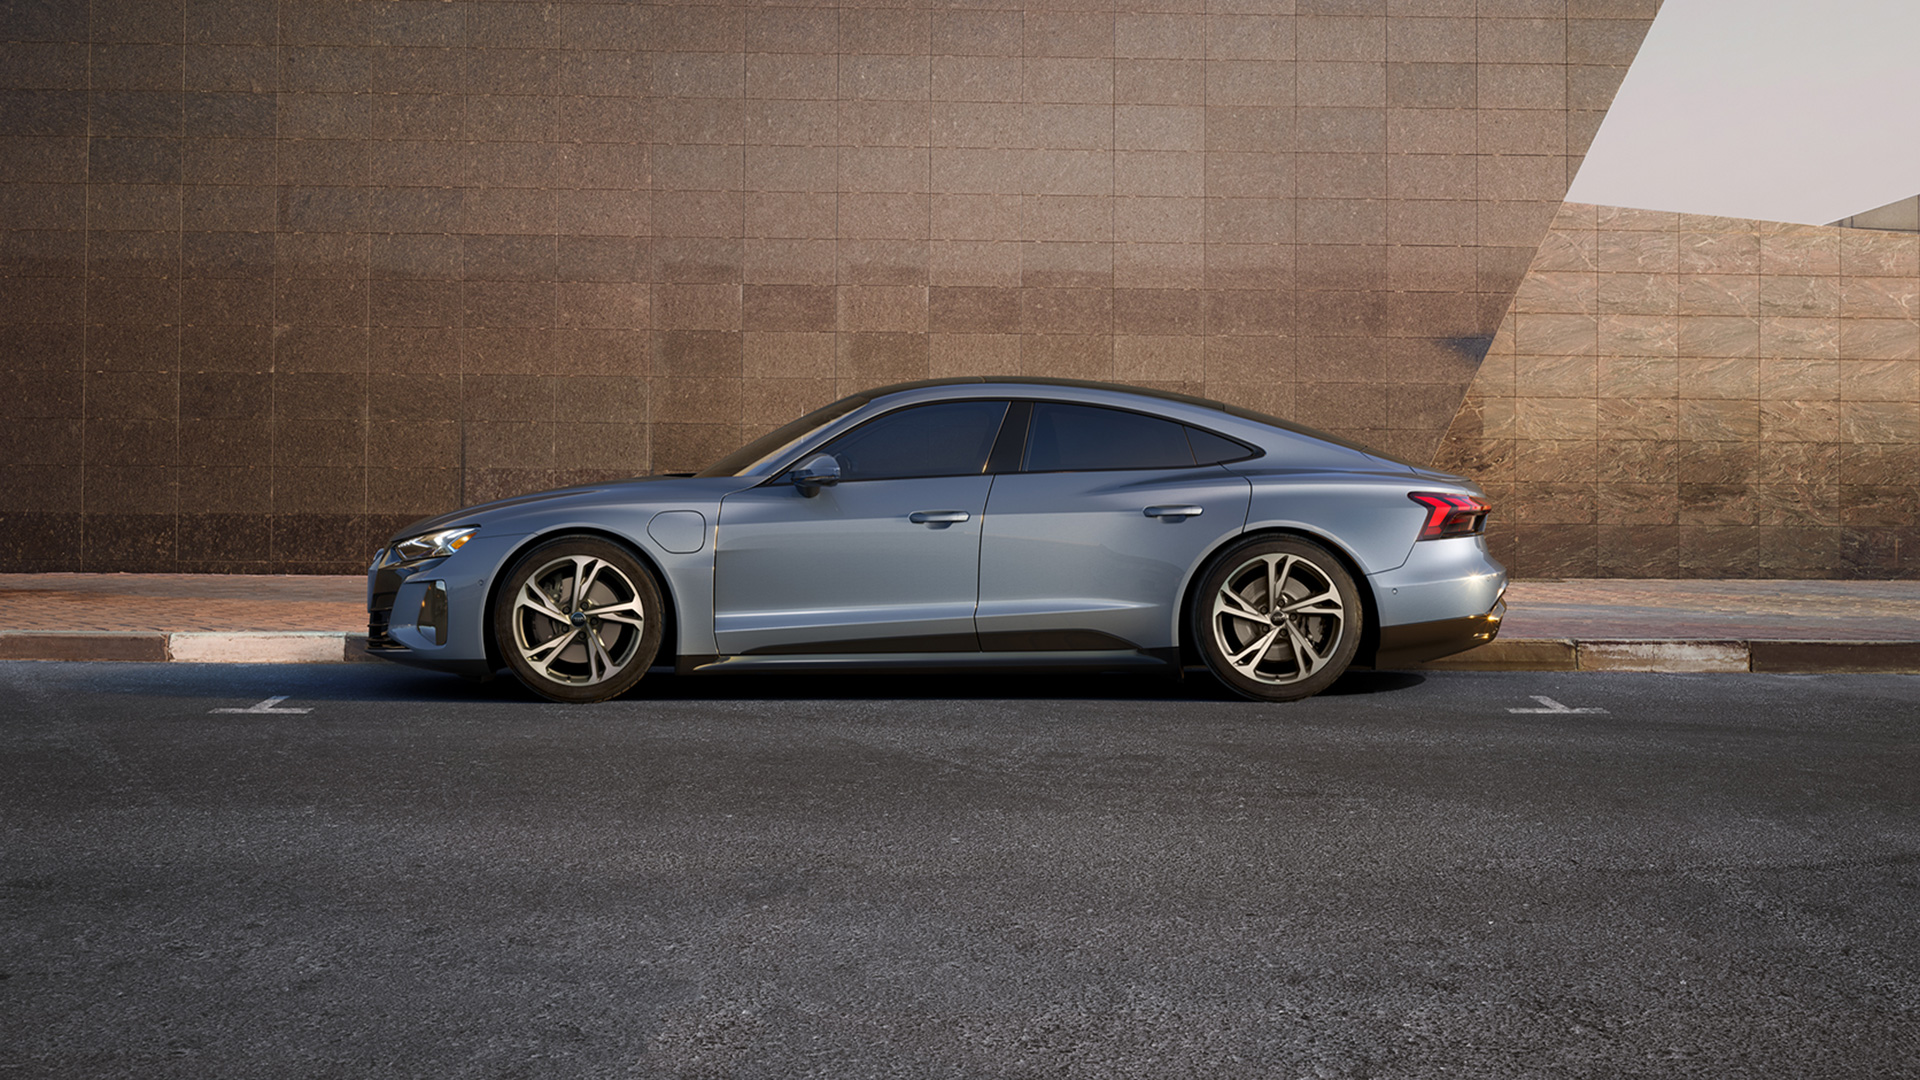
1554 707
271 705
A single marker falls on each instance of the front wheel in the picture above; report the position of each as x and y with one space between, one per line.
578 619
1277 618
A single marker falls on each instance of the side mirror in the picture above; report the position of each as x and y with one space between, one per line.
821 471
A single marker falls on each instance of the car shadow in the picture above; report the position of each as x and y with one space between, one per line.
393 683
1197 686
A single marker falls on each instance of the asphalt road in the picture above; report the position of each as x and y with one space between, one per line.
1717 876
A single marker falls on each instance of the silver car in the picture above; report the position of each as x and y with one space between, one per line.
953 524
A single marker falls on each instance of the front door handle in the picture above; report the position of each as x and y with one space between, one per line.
1173 511
938 517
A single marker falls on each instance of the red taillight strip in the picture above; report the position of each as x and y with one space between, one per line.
1450 515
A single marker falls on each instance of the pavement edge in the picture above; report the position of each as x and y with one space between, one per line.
196 647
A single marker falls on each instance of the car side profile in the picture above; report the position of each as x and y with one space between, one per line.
1004 523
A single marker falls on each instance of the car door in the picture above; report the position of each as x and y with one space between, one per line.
884 560
1089 545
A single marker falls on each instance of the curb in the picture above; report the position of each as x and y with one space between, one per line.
1505 654
1688 657
197 647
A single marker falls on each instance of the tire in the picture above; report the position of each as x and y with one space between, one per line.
1296 657
564 650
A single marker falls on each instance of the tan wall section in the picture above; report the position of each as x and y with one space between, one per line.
278 275
1683 396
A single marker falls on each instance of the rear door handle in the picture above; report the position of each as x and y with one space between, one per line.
938 517
1174 511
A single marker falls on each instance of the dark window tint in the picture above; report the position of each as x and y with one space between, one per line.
1211 449
1087 437
948 439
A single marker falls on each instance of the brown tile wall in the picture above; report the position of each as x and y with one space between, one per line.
278 275
1684 396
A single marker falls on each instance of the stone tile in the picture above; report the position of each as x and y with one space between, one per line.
1878 506
1638 335
1800 337
1555 461
1880 380
1636 504
1718 336
1643 418
1805 421
1639 293
1719 419
1879 339
1880 297
1799 296
1703 461
1791 463
1638 377
1554 376
1795 379
1719 378
1556 418
1800 252
1720 294
1865 253
1719 253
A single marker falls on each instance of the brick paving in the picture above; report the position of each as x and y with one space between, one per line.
179 603
1600 609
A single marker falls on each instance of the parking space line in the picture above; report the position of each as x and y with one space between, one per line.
1555 708
271 705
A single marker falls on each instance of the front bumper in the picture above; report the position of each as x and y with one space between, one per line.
431 613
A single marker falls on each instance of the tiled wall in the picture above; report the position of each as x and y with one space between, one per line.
1685 396
279 275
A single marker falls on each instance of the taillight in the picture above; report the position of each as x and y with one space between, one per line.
1450 515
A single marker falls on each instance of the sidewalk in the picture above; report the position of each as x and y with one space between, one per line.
1582 625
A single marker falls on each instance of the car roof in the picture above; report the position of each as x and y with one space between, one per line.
1031 380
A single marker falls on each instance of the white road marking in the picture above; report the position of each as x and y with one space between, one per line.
1555 707
268 706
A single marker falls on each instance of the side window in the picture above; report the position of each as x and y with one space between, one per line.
946 439
1074 437
1211 449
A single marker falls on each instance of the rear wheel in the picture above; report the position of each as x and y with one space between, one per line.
578 619
1277 618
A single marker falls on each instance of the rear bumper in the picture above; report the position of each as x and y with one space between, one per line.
1448 597
1414 643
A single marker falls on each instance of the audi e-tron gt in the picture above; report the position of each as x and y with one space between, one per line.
1003 523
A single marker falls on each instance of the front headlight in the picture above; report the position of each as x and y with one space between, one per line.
433 545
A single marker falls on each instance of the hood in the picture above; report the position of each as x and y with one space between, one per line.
640 489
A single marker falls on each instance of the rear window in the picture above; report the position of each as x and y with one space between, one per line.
1081 437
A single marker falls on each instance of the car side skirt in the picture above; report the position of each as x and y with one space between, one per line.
931 662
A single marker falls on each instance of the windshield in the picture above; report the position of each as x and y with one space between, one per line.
756 451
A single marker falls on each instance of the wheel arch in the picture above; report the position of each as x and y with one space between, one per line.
669 634
1370 606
